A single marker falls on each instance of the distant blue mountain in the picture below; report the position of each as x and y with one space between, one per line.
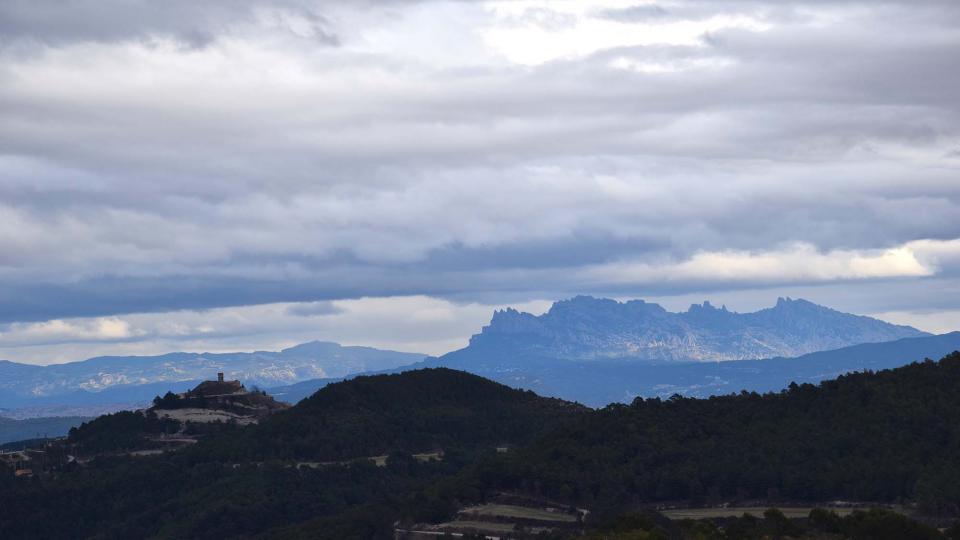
587 328
600 382
18 430
595 350
133 379
597 383
599 351
292 393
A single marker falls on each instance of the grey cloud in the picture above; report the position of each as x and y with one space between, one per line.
936 294
194 23
866 92
117 295
577 249
345 173
935 11
313 309
632 14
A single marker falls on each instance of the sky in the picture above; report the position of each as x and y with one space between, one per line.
212 175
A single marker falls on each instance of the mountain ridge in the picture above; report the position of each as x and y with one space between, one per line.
598 383
26 384
581 329
588 328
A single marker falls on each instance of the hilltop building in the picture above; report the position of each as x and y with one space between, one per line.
217 388
218 401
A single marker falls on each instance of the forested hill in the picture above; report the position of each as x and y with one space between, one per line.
301 465
890 436
884 436
414 411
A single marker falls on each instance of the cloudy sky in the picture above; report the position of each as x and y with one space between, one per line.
220 175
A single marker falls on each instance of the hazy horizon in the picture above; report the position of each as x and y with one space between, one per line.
436 348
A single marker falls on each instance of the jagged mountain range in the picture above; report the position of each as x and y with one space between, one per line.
599 382
514 348
113 377
598 351
587 328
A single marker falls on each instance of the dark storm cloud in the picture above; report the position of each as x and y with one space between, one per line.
138 177
577 250
113 296
126 295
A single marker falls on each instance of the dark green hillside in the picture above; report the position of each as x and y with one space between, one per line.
240 482
891 436
414 411
116 432
171 497
887 436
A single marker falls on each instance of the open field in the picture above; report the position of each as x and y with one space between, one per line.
736 511
479 526
502 516
205 416
520 512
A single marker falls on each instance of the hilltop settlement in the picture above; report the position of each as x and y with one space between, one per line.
174 421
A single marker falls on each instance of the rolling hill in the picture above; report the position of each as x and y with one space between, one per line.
875 436
883 436
415 411
309 462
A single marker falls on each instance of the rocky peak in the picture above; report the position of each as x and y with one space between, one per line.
585 327
511 321
706 306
